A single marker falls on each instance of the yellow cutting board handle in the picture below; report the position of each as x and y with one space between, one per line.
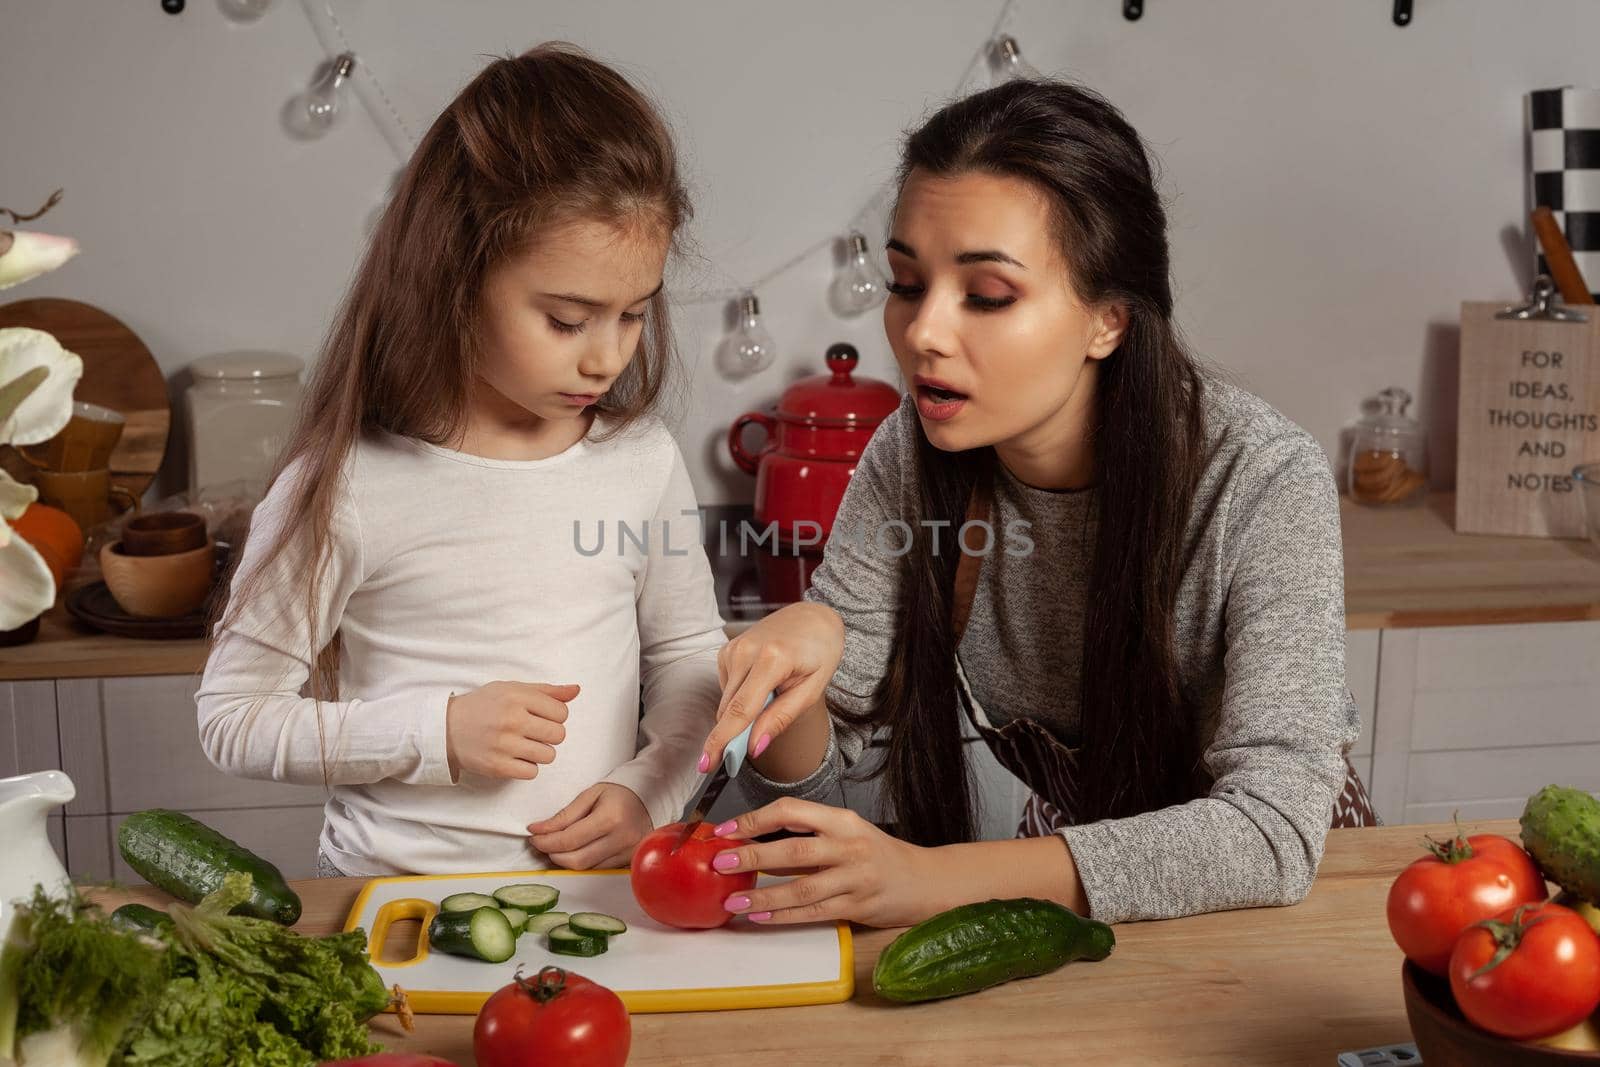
399 911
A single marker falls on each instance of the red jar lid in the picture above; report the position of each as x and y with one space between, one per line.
838 398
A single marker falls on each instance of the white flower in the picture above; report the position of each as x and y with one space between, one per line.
46 411
14 500
25 255
27 588
28 415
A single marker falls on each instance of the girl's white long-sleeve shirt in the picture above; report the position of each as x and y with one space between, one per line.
450 571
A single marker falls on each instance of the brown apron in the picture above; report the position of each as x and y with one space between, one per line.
1041 762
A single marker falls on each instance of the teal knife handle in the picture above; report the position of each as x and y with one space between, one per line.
733 756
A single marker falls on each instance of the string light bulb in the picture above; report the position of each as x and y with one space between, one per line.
314 112
244 10
859 286
749 349
1008 62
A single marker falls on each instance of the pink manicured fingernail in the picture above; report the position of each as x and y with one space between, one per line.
726 828
761 745
705 762
726 861
736 903
759 916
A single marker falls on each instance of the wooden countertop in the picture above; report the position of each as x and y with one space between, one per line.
1270 985
1407 568
1404 568
65 648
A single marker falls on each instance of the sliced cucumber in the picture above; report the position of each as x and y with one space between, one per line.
484 934
466 902
544 922
516 917
529 897
566 941
597 924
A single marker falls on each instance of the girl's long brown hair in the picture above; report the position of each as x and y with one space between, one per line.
1138 747
545 136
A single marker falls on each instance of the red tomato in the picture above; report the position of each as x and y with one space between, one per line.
1529 972
1463 882
680 888
556 1018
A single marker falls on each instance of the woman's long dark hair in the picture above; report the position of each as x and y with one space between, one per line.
1138 739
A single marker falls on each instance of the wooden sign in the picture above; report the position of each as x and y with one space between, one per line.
1529 413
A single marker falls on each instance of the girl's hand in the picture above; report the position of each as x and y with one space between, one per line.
856 872
601 828
506 729
794 651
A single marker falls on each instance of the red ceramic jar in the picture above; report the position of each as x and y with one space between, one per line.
814 438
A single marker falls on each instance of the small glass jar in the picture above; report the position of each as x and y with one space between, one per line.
242 407
1389 455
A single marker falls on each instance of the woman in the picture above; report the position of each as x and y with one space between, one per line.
1164 668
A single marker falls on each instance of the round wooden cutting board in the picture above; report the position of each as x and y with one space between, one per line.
118 372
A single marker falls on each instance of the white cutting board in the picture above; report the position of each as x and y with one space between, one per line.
652 967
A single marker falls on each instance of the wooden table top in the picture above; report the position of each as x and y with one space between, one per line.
1265 986
1407 568
1404 568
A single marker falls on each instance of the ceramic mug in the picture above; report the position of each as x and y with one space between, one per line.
85 495
85 444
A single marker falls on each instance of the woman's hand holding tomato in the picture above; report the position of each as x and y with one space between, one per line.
1464 881
679 886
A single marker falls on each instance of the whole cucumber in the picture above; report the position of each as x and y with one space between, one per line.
977 946
189 859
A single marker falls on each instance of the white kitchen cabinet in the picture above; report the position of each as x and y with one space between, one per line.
130 744
28 740
141 735
1477 718
1361 674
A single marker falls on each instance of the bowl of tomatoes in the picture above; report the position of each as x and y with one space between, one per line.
1497 973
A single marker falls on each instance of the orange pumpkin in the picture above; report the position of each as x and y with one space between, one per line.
55 536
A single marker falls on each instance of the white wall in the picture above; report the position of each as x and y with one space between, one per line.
1338 185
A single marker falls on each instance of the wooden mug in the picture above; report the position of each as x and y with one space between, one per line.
164 533
85 495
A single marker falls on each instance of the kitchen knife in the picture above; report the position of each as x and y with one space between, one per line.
705 797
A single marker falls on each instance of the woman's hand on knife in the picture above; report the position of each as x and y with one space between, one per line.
793 653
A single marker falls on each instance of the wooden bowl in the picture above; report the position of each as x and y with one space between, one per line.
164 533
158 587
1446 1039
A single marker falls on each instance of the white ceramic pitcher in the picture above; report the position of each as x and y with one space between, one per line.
25 801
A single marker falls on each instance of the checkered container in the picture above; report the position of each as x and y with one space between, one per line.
1564 153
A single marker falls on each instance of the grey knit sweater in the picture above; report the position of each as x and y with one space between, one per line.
1260 636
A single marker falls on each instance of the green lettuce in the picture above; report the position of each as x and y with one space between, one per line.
213 990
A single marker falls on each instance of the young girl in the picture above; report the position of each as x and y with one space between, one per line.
426 555
1165 668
